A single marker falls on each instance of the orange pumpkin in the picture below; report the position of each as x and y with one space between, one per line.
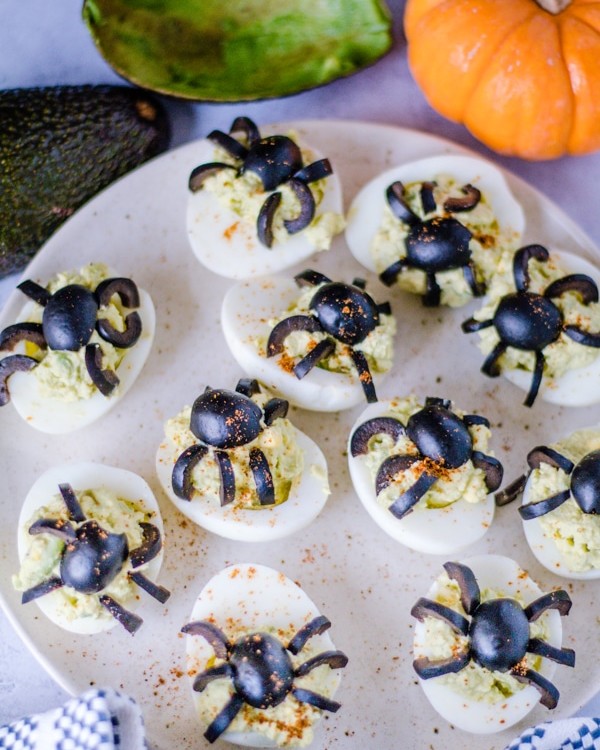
522 75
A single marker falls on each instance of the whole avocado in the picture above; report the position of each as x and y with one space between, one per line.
59 146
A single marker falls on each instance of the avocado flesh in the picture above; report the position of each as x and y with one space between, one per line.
59 146
214 50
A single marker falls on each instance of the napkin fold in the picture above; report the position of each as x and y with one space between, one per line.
97 720
579 733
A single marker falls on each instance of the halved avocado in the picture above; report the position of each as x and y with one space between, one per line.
237 50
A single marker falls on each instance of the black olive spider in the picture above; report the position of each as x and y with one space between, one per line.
438 244
224 420
261 669
343 311
276 160
69 319
531 321
584 483
443 443
93 557
498 633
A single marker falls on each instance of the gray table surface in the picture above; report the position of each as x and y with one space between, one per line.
45 43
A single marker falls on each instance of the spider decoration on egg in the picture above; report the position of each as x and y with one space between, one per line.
69 319
224 420
497 632
584 483
261 669
93 557
530 321
343 311
434 245
442 441
276 160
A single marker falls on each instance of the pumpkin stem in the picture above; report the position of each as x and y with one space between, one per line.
553 6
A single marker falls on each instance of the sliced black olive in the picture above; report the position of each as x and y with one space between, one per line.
54 526
427 197
333 659
125 288
359 442
491 467
160 593
10 365
181 476
128 620
91 562
247 387
384 308
315 171
275 408
227 478
200 174
211 635
521 264
585 483
225 419
316 626
391 273
467 202
308 277
491 366
227 143
575 282
364 375
347 313
404 504
511 491
471 325
274 159
429 608
316 700
583 337
264 220
475 419
564 656
559 600
536 380
437 401
360 283
224 718
246 126
390 467
400 208
14 334
322 350
121 339
69 318
71 503
307 207
105 380
470 595
427 668
41 589
150 546
540 508
203 679
263 479
549 693
433 291
286 326
35 292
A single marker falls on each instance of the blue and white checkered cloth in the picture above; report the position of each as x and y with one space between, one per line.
97 720
568 734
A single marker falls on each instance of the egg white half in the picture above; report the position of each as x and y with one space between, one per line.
82 476
247 308
254 597
306 500
579 387
479 717
435 531
366 211
229 247
54 416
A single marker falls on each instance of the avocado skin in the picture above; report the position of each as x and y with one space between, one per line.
59 146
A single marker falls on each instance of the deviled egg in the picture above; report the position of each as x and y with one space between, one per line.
436 227
423 472
540 326
487 642
234 464
77 347
89 541
561 503
263 666
258 204
321 344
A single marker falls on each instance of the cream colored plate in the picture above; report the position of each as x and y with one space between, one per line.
363 580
